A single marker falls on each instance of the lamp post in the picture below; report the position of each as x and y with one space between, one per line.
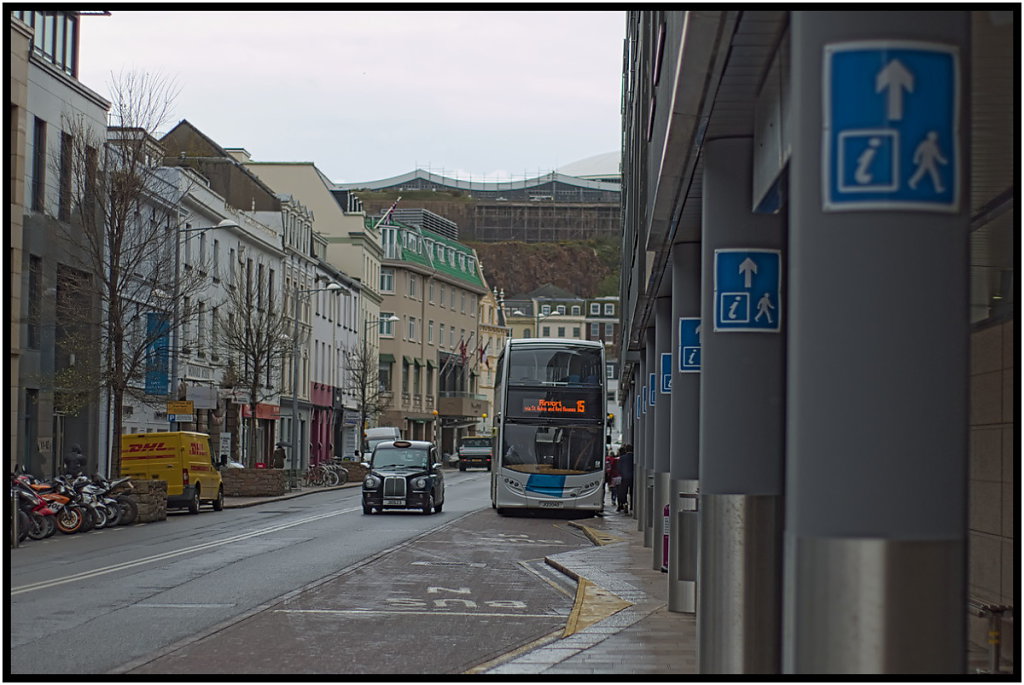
224 223
366 375
332 286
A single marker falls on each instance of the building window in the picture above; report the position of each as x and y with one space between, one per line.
35 295
451 300
405 377
560 309
595 309
595 331
384 376
463 303
526 332
412 285
609 309
441 300
545 309
576 310
576 331
431 292
609 371
386 329
440 336
451 338
412 328
387 280
609 330
430 331
546 331
216 259
39 165
200 328
416 380
64 199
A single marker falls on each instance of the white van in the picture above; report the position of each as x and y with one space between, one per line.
372 436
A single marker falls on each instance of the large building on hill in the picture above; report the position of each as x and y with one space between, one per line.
551 207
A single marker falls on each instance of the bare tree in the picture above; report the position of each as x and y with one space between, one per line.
256 334
120 220
364 380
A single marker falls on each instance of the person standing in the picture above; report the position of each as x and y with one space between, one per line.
626 473
75 463
612 477
279 457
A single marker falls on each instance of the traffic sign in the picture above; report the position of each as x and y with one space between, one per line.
181 418
891 137
666 373
182 407
689 344
652 386
748 286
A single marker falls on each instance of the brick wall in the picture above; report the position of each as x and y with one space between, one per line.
151 496
253 482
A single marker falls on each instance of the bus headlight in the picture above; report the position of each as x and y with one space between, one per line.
420 483
371 482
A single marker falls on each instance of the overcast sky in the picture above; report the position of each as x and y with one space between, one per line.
368 95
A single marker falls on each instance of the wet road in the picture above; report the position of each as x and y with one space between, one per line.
309 585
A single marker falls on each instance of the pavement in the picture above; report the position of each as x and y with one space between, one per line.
619 624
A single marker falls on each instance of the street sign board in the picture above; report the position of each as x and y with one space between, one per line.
182 407
748 286
666 373
652 386
181 418
891 126
689 344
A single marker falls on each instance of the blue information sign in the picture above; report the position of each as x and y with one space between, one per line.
748 285
689 344
666 373
652 387
891 136
157 352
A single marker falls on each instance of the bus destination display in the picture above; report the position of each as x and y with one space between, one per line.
557 404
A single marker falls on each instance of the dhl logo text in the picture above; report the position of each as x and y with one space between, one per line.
145 446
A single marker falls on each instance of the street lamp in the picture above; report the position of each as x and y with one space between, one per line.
332 286
366 375
224 223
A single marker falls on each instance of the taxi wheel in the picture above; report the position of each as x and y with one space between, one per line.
437 508
193 506
429 506
367 509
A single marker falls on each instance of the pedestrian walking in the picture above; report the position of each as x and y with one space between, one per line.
626 473
279 457
75 462
612 477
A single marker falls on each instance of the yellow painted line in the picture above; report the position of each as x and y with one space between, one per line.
529 647
577 606
597 536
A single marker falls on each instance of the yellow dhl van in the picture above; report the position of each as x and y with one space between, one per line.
182 459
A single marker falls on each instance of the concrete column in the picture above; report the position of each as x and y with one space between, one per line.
651 379
684 440
741 440
662 432
878 355
638 446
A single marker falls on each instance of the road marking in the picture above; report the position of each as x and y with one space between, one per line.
380 612
182 606
41 585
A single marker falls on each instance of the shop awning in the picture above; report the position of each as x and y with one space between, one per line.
417 362
407 360
387 358
431 364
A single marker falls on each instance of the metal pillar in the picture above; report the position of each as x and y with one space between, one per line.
647 484
742 397
661 454
639 473
683 489
878 353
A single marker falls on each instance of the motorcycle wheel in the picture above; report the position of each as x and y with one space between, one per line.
129 510
70 520
99 513
51 525
113 510
88 520
37 527
24 523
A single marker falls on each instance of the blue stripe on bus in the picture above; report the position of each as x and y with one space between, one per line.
546 484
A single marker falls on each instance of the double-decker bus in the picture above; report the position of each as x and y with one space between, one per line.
550 414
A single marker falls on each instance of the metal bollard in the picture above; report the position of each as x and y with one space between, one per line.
994 613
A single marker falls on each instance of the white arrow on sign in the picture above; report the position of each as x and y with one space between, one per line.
896 78
747 269
697 332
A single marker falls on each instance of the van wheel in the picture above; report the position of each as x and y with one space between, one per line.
193 506
218 504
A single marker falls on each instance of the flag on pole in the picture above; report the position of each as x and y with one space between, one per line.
462 351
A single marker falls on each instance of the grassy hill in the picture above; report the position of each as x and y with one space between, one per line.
588 268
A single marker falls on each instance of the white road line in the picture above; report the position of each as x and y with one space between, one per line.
371 612
170 555
181 606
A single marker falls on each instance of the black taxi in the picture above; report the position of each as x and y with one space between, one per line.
404 474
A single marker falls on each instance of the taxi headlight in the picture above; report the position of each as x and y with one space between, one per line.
419 483
371 483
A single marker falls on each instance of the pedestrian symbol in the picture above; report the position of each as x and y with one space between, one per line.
748 287
891 126
689 344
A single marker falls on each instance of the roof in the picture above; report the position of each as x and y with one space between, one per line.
603 167
415 257
479 185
